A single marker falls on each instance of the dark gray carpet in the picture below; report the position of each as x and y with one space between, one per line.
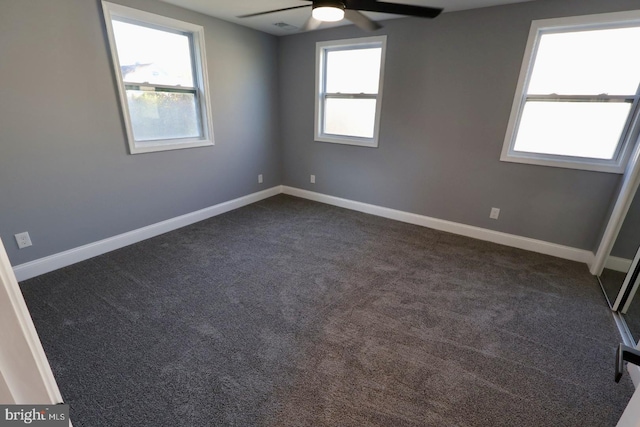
294 313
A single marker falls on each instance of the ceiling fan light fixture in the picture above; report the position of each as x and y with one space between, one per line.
328 11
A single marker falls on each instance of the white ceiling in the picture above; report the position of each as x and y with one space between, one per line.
230 9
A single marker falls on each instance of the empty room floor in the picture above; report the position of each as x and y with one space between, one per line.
294 313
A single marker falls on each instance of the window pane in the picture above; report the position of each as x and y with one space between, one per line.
350 117
587 63
580 129
163 115
353 71
153 56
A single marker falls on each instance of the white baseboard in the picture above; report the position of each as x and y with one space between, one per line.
540 246
53 262
618 264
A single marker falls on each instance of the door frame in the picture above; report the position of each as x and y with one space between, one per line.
24 369
628 188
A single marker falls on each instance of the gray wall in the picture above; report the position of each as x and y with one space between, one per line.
448 90
65 175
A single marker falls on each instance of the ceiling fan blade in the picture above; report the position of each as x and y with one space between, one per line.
394 8
272 11
361 21
311 24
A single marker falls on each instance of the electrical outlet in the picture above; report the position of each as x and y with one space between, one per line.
313 179
23 240
495 213
260 179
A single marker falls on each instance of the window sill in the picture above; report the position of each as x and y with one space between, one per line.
168 145
568 163
347 140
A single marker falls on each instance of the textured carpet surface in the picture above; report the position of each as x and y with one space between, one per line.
293 313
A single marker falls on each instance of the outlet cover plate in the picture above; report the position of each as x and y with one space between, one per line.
23 240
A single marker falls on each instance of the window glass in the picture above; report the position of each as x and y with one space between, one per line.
353 70
587 63
351 117
153 56
579 129
163 115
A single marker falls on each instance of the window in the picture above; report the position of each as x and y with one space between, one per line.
162 79
577 98
349 75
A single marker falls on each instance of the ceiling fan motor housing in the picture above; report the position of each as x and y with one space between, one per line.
328 10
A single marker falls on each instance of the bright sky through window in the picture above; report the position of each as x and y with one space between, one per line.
161 57
587 63
353 71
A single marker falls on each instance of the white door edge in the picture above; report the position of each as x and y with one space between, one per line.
25 373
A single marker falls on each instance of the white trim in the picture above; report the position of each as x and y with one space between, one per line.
554 25
112 10
581 164
72 256
53 262
618 264
321 48
506 239
25 367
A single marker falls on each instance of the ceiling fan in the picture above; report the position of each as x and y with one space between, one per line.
336 10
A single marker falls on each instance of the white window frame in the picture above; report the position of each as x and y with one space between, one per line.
201 79
348 44
630 131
